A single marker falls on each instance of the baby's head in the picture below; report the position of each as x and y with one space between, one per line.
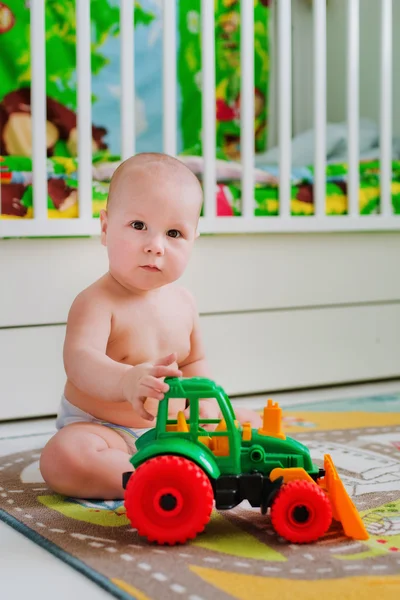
150 225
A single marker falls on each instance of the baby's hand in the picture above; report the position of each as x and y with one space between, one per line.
147 381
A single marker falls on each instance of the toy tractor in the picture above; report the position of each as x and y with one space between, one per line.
182 469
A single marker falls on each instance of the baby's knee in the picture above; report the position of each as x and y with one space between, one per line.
62 466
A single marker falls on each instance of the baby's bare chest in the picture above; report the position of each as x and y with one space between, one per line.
142 333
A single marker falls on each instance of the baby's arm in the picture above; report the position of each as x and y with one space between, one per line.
90 369
195 365
86 364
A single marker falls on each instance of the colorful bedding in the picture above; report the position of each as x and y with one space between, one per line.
61 76
227 75
62 200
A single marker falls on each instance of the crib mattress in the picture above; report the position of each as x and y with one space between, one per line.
62 176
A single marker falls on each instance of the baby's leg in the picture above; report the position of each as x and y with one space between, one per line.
244 415
86 460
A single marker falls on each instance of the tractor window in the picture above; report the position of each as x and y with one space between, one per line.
211 434
219 442
174 406
177 420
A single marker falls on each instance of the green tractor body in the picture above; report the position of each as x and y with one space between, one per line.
239 463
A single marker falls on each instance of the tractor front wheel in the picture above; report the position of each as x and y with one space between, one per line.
301 512
169 499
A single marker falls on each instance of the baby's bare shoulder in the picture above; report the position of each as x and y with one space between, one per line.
96 298
184 296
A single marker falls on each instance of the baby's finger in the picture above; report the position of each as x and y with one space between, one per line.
155 384
151 393
142 412
162 371
167 360
146 415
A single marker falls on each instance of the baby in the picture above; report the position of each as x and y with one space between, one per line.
129 330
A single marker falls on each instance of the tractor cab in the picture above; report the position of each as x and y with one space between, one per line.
222 442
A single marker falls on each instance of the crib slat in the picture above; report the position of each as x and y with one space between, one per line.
226 225
84 77
169 77
247 107
320 107
386 107
208 107
127 79
38 108
285 105
353 107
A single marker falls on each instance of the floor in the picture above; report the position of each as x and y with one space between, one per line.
43 571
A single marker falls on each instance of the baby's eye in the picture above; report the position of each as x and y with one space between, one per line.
138 225
174 233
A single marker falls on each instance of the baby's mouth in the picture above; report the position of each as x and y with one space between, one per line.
151 268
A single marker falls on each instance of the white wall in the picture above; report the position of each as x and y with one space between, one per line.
277 311
370 36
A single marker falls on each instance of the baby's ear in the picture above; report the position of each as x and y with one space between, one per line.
103 225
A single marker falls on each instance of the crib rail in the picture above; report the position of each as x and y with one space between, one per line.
38 108
85 224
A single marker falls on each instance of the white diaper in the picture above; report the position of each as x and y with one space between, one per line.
68 413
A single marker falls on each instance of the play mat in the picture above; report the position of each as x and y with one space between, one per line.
238 556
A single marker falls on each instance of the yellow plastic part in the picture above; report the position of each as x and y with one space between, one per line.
182 423
247 432
220 445
222 425
343 508
290 474
272 421
207 441
170 427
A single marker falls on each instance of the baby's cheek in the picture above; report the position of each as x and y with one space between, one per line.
178 263
122 255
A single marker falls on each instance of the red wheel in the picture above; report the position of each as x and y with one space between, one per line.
169 499
301 512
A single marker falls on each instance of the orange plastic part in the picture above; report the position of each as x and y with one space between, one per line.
343 508
291 474
246 432
272 421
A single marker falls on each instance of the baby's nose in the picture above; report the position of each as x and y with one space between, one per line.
155 246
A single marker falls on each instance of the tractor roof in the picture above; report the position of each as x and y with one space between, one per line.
182 388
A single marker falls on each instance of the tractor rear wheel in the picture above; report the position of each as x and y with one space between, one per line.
301 512
169 499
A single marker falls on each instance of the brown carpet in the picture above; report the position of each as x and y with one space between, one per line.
239 555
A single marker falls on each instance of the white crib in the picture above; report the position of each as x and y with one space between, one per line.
282 312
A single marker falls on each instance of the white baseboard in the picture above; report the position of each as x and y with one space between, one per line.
248 353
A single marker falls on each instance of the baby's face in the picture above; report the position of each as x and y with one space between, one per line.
150 229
